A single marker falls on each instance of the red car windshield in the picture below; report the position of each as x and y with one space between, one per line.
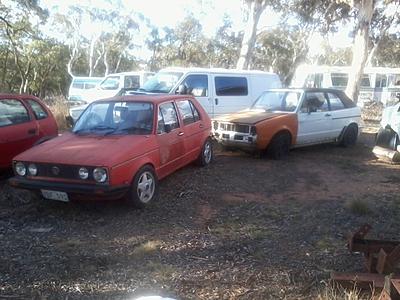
106 118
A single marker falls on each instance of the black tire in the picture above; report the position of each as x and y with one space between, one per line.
140 196
206 155
350 136
279 146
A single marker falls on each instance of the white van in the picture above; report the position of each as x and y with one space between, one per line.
79 85
111 85
220 91
377 84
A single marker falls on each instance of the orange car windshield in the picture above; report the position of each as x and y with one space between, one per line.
277 101
106 118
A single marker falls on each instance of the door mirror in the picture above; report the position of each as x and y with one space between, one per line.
167 128
182 90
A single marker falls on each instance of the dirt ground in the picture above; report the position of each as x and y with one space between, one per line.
242 228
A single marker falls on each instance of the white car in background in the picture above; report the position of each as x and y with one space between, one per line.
110 87
80 85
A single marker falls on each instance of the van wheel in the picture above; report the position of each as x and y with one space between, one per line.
350 136
279 146
206 155
144 187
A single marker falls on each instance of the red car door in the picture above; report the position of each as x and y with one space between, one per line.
18 129
193 128
46 123
170 139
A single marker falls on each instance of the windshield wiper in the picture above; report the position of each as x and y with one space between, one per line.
127 129
90 129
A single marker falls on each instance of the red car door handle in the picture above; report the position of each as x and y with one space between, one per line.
32 131
181 133
201 125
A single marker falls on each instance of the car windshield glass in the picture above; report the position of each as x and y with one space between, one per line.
162 82
277 101
106 118
110 83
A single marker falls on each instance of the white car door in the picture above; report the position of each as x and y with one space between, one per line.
315 119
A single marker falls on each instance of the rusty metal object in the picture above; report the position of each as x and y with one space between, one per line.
391 290
382 258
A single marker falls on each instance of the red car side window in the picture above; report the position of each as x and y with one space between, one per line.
167 116
13 112
39 112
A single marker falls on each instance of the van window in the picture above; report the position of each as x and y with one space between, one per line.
132 82
339 79
314 80
196 85
110 83
380 81
231 86
365 82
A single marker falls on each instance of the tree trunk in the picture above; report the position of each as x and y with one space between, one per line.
72 57
91 54
256 8
106 64
360 48
118 62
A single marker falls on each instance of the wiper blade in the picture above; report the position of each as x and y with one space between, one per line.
127 129
91 129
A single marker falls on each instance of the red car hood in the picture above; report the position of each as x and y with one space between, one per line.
88 150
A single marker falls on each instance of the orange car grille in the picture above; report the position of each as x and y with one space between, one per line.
235 127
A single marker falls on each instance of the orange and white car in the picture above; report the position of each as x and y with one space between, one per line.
281 119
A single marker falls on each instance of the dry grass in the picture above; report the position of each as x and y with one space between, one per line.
332 292
59 107
146 248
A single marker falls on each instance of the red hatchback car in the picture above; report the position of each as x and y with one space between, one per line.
24 122
119 147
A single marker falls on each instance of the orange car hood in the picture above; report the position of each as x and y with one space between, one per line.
88 150
248 116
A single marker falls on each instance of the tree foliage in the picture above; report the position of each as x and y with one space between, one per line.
33 61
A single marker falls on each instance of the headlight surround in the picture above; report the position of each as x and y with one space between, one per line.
83 173
32 169
100 174
20 168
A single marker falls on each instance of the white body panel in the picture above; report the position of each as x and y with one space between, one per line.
214 104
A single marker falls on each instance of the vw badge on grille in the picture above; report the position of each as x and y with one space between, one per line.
55 170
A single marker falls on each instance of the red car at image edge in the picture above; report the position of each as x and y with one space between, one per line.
25 121
119 148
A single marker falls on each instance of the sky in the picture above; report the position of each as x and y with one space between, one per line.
210 13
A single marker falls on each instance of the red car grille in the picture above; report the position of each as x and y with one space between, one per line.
60 171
